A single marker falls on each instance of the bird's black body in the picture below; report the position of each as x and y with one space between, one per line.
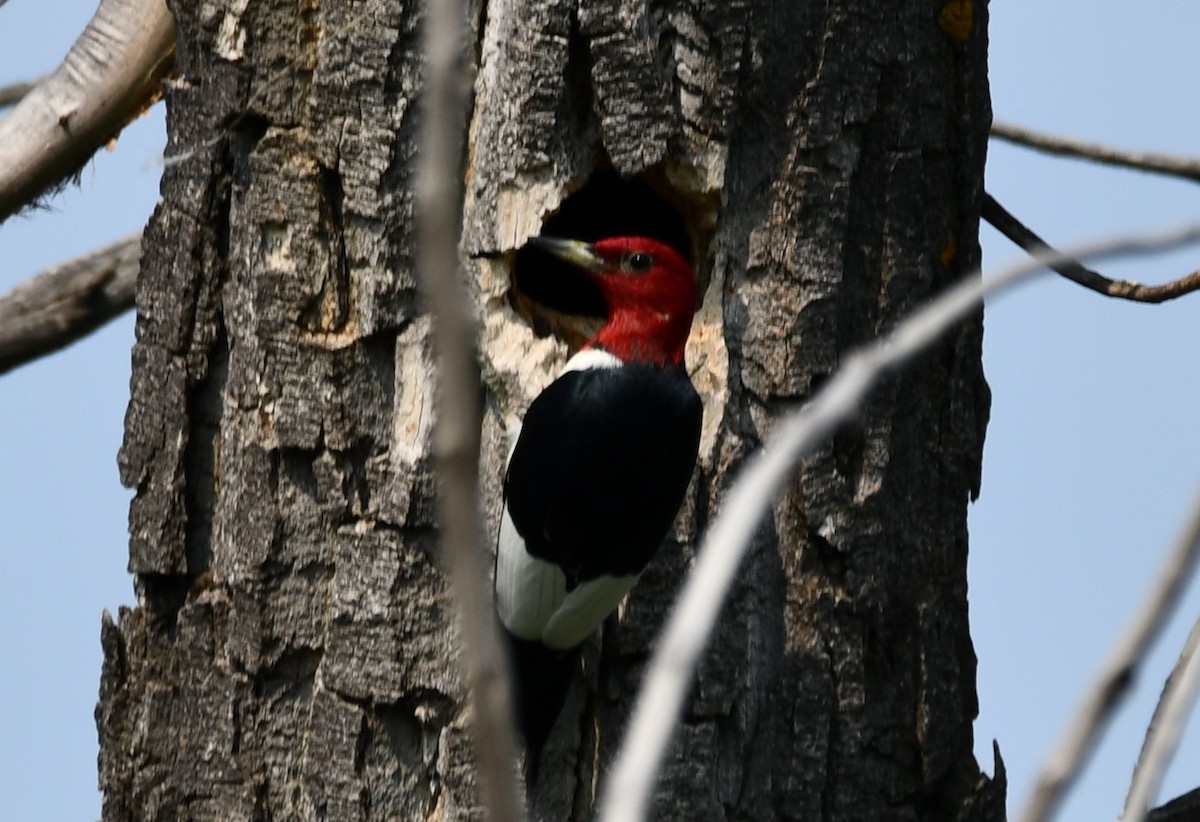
594 482
603 461
598 472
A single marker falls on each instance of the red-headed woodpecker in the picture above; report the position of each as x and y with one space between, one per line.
598 472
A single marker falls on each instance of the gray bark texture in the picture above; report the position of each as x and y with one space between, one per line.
293 652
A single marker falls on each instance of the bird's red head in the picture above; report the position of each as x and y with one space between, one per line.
649 289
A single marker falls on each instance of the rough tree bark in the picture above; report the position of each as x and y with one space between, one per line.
293 651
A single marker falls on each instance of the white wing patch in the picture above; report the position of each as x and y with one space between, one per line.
531 594
532 598
528 590
588 604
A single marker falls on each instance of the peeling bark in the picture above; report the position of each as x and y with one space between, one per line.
293 651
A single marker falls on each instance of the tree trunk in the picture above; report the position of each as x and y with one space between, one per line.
293 653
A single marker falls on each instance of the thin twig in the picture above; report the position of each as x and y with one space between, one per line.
1162 737
628 791
459 412
12 94
1170 714
1012 228
50 311
1170 164
111 74
1061 769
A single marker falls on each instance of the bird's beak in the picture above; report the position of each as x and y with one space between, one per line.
575 252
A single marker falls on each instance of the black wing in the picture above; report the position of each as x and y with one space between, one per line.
601 467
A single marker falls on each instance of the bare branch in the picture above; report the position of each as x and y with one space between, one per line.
1170 715
627 794
66 302
1012 228
11 95
459 413
110 75
1169 164
1060 770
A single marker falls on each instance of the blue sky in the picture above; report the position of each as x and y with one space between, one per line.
1091 461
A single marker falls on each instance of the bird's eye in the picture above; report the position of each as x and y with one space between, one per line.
639 261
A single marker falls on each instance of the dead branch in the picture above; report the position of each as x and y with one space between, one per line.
66 302
1169 164
1012 228
1109 688
459 411
1166 725
110 75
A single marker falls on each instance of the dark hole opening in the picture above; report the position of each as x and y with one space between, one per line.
548 291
